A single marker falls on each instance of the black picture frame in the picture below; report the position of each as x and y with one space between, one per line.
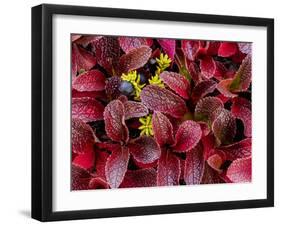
42 111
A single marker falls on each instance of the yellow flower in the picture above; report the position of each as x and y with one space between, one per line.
134 79
146 127
163 62
156 80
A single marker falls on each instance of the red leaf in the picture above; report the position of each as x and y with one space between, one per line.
80 178
84 59
241 108
92 94
162 128
241 149
216 159
101 158
227 49
204 128
112 87
134 109
92 80
224 126
205 108
129 43
98 183
240 170
85 160
163 100
139 178
134 59
177 83
144 150
245 47
212 47
190 48
75 37
114 119
107 52
187 136
87 39
87 109
210 176
169 46
243 76
116 167
202 89
168 171
82 137
194 165
223 88
208 67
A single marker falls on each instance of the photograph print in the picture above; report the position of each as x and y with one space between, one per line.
149 112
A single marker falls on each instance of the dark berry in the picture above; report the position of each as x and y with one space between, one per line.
152 61
142 78
126 88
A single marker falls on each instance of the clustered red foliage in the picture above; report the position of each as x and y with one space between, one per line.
201 117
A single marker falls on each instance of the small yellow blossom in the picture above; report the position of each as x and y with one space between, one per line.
134 79
163 62
146 127
156 80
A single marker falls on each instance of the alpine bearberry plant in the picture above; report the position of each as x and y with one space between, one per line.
159 112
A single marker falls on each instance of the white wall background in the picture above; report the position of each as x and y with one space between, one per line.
15 93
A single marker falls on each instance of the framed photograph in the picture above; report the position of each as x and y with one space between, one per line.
146 112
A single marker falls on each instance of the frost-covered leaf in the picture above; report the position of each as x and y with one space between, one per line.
223 88
139 178
107 52
245 47
240 170
190 48
177 83
162 128
82 137
114 119
144 150
130 43
80 178
227 49
100 161
112 85
116 167
134 59
194 165
168 171
87 109
163 100
84 59
202 89
224 126
205 108
98 183
134 109
208 67
243 76
92 80
169 46
240 149
241 109
210 176
187 137
85 160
